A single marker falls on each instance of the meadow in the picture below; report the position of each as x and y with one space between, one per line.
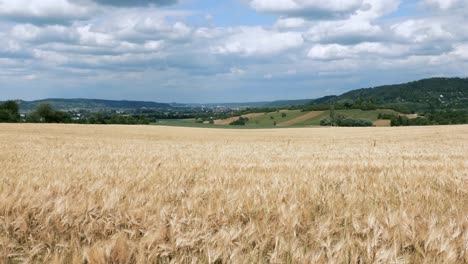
282 118
155 194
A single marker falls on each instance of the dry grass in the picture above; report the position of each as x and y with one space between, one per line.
383 123
115 194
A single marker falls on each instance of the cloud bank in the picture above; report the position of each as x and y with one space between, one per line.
160 50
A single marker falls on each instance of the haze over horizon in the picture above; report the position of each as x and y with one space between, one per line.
231 51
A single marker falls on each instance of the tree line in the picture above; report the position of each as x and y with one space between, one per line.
44 113
9 112
431 118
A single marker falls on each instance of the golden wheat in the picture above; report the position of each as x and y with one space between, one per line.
141 194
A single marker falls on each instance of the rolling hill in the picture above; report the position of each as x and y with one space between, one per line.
447 93
434 92
294 118
92 104
438 93
259 104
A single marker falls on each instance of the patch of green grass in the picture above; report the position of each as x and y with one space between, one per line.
192 123
268 119
353 113
265 120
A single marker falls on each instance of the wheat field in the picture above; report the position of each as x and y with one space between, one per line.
143 194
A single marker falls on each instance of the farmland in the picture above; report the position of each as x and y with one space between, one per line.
157 194
282 118
355 113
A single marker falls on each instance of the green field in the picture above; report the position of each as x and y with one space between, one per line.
353 113
267 120
192 123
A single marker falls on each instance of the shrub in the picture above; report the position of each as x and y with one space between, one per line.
358 122
240 122
9 112
420 121
47 114
400 121
325 122
387 116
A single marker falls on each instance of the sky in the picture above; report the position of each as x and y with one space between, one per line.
224 51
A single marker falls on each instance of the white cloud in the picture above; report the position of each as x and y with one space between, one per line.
376 9
89 37
461 51
289 23
445 4
348 31
309 8
237 71
134 2
153 45
360 51
44 10
144 24
54 33
30 77
422 30
252 41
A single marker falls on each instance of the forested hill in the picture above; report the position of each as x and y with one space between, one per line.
434 92
92 104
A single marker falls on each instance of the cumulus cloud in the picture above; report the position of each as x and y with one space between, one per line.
144 24
290 23
252 41
123 41
310 8
45 11
359 27
461 51
345 32
363 50
51 33
422 31
65 11
445 5
134 2
376 9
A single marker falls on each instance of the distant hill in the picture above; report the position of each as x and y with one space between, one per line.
433 92
288 103
261 104
448 93
92 104
324 99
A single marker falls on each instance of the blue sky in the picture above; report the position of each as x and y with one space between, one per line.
224 51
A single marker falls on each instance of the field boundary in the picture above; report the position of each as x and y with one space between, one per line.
235 118
301 118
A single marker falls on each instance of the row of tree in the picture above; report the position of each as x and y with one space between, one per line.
362 104
441 117
44 113
9 112
344 121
